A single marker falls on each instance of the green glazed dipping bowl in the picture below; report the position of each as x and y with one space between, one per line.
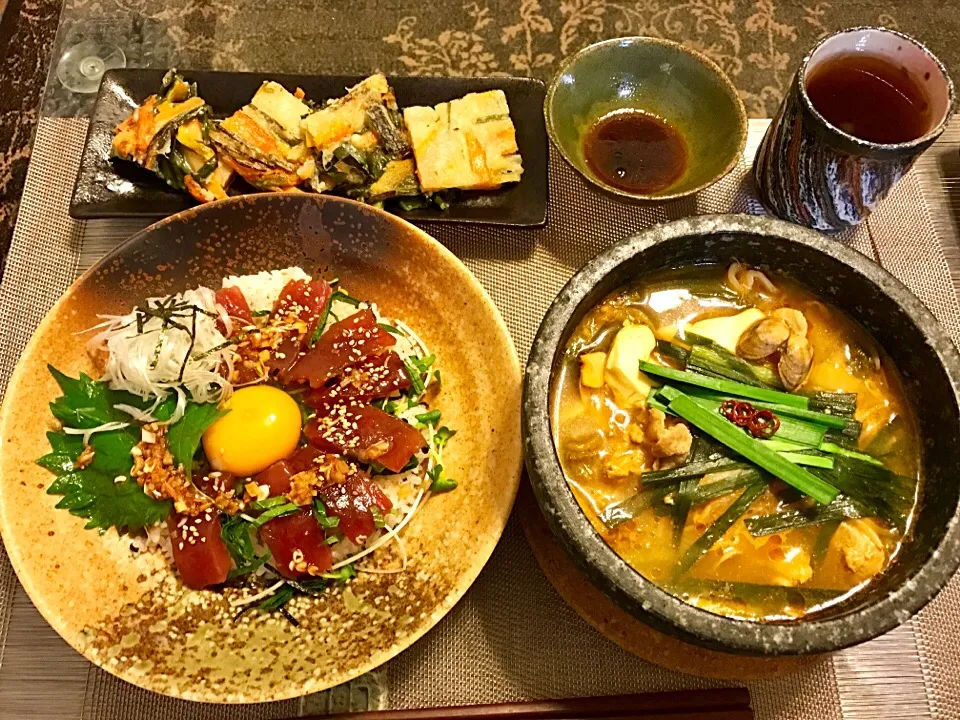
681 86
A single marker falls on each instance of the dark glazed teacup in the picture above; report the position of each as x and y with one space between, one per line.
813 173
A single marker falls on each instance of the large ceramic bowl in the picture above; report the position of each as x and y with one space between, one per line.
926 358
676 83
129 613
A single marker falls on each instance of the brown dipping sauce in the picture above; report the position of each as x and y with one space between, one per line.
635 151
871 98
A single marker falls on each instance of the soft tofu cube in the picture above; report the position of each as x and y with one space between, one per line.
726 331
591 369
632 345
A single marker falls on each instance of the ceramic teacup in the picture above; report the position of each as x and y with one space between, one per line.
814 173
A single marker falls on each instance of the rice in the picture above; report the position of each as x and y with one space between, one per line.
402 491
344 549
156 538
263 289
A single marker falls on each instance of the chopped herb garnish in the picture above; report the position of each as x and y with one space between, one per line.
183 437
235 532
442 436
416 377
260 313
320 512
340 576
428 418
275 512
440 483
321 323
378 520
412 203
442 199
268 503
344 298
490 118
423 364
390 329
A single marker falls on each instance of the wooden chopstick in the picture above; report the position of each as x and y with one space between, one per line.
725 704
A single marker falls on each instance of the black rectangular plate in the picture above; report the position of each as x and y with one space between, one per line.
110 188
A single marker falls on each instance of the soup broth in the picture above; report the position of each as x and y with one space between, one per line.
689 534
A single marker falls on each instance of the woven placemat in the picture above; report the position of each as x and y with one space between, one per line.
511 637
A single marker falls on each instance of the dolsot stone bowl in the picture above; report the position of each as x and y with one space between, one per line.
130 613
928 362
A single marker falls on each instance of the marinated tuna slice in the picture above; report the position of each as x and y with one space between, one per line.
352 501
200 554
231 299
366 434
342 344
377 376
297 545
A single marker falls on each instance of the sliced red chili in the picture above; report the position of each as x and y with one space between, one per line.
738 412
764 424
760 423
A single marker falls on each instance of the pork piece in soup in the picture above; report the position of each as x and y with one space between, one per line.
738 441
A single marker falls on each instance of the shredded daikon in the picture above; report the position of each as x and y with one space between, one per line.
416 347
88 432
259 596
168 344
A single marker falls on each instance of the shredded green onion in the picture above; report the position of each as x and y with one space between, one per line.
416 378
731 436
728 387
719 526
273 513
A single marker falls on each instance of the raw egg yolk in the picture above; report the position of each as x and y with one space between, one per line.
261 427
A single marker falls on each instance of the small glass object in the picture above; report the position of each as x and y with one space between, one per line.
82 65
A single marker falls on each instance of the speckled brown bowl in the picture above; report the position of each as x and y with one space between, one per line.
129 613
